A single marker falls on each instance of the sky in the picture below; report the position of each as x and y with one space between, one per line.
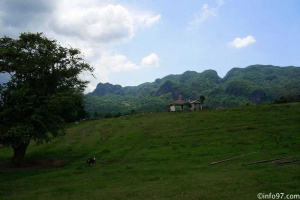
130 42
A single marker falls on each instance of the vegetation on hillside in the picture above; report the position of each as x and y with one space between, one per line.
255 84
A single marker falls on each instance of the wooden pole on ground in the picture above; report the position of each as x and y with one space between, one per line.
229 159
265 161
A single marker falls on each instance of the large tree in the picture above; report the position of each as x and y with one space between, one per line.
43 92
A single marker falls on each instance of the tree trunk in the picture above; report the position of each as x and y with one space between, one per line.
19 154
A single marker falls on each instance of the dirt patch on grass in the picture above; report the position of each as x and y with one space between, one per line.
48 163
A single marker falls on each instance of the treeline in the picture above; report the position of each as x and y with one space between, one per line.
287 99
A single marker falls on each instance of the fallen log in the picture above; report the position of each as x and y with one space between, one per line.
265 161
229 159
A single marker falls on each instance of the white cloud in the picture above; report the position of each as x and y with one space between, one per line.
99 24
242 42
147 20
115 63
152 20
119 63
96 27
206 13
151 60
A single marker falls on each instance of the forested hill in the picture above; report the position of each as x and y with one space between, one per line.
254 84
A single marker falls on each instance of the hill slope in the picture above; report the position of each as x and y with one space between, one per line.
167 156
253 85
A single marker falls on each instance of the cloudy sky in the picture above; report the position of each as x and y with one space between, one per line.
130 42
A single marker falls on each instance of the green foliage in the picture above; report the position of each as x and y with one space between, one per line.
238 87
17 135
43 92
287 99
255 84
165 156
202 99
108 88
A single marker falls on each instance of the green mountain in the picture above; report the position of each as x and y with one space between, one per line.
254 84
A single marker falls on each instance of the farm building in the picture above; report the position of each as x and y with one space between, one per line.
178 105
195 105
181 105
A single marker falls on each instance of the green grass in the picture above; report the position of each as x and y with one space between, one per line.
166 156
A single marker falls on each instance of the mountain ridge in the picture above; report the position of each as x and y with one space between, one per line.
254 84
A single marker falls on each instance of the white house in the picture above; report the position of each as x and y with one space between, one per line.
194 105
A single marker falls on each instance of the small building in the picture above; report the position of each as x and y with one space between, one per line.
178 105
181 105
194 105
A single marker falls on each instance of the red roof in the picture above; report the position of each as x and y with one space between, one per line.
182 102
178 102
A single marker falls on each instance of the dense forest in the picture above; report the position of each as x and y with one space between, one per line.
255 84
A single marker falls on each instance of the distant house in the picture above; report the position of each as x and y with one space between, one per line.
178 105
195 105
181 105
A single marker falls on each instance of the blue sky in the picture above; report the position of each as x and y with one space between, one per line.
130 42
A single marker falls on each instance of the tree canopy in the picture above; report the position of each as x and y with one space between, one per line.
43 92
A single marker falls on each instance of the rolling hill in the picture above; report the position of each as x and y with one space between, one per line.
254 84
165 156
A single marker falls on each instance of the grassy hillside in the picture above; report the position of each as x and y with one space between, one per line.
166 156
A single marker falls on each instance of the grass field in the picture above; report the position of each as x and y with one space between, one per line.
166 156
